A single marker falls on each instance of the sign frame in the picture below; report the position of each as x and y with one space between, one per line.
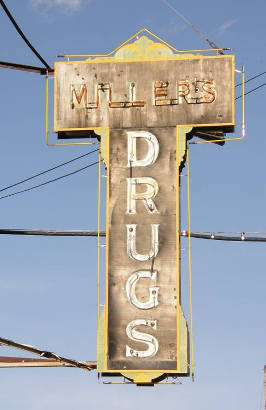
126 54
152 372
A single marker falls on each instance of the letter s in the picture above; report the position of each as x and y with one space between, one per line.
137 336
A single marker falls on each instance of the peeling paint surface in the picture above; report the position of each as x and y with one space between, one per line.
160 317
119 94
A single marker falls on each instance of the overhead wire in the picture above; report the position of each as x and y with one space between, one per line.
213 236
51 232
251 91
46 354
24 67
242 236
196 29
49 182
250 79
48 170
18 29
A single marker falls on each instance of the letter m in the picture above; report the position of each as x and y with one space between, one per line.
79 95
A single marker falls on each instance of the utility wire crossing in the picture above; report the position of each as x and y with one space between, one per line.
218 236
196 29
25 67
48 170
50 181
251 78
241 236
11 18
251 91
48 355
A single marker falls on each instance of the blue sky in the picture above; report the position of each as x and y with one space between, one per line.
48 296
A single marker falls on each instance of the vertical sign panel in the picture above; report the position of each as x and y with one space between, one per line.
142 275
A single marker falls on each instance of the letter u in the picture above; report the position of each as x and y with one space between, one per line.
131 243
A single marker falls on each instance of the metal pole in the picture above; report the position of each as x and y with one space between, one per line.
265 387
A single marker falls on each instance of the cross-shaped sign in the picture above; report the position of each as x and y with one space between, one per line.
142 100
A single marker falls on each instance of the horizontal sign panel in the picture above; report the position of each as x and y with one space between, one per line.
142 250
128 94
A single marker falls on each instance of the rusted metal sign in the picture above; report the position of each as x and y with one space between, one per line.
118 94
142 101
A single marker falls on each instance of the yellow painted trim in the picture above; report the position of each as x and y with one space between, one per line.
178 336
171 383
216 124
104 128
233 88
144 30
136 60
46 106
107 153
55 93
98 239
146 377
66 144
156 373
243 98
212 141
189 271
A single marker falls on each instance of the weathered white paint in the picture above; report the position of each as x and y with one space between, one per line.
131 243
153 290
152 189
135 335
152 148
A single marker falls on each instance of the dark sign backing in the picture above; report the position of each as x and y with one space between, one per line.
161 320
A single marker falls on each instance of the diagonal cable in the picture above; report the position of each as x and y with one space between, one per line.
251 91
211 43
45 354
49 182
48 170
218 236
11 18
24 67
251 79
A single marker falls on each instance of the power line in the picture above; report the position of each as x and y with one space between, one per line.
251 91
48 170
211 43
46 354
214 236
50 232
24 67
241 236
252 78
50 181
11 361
9 15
